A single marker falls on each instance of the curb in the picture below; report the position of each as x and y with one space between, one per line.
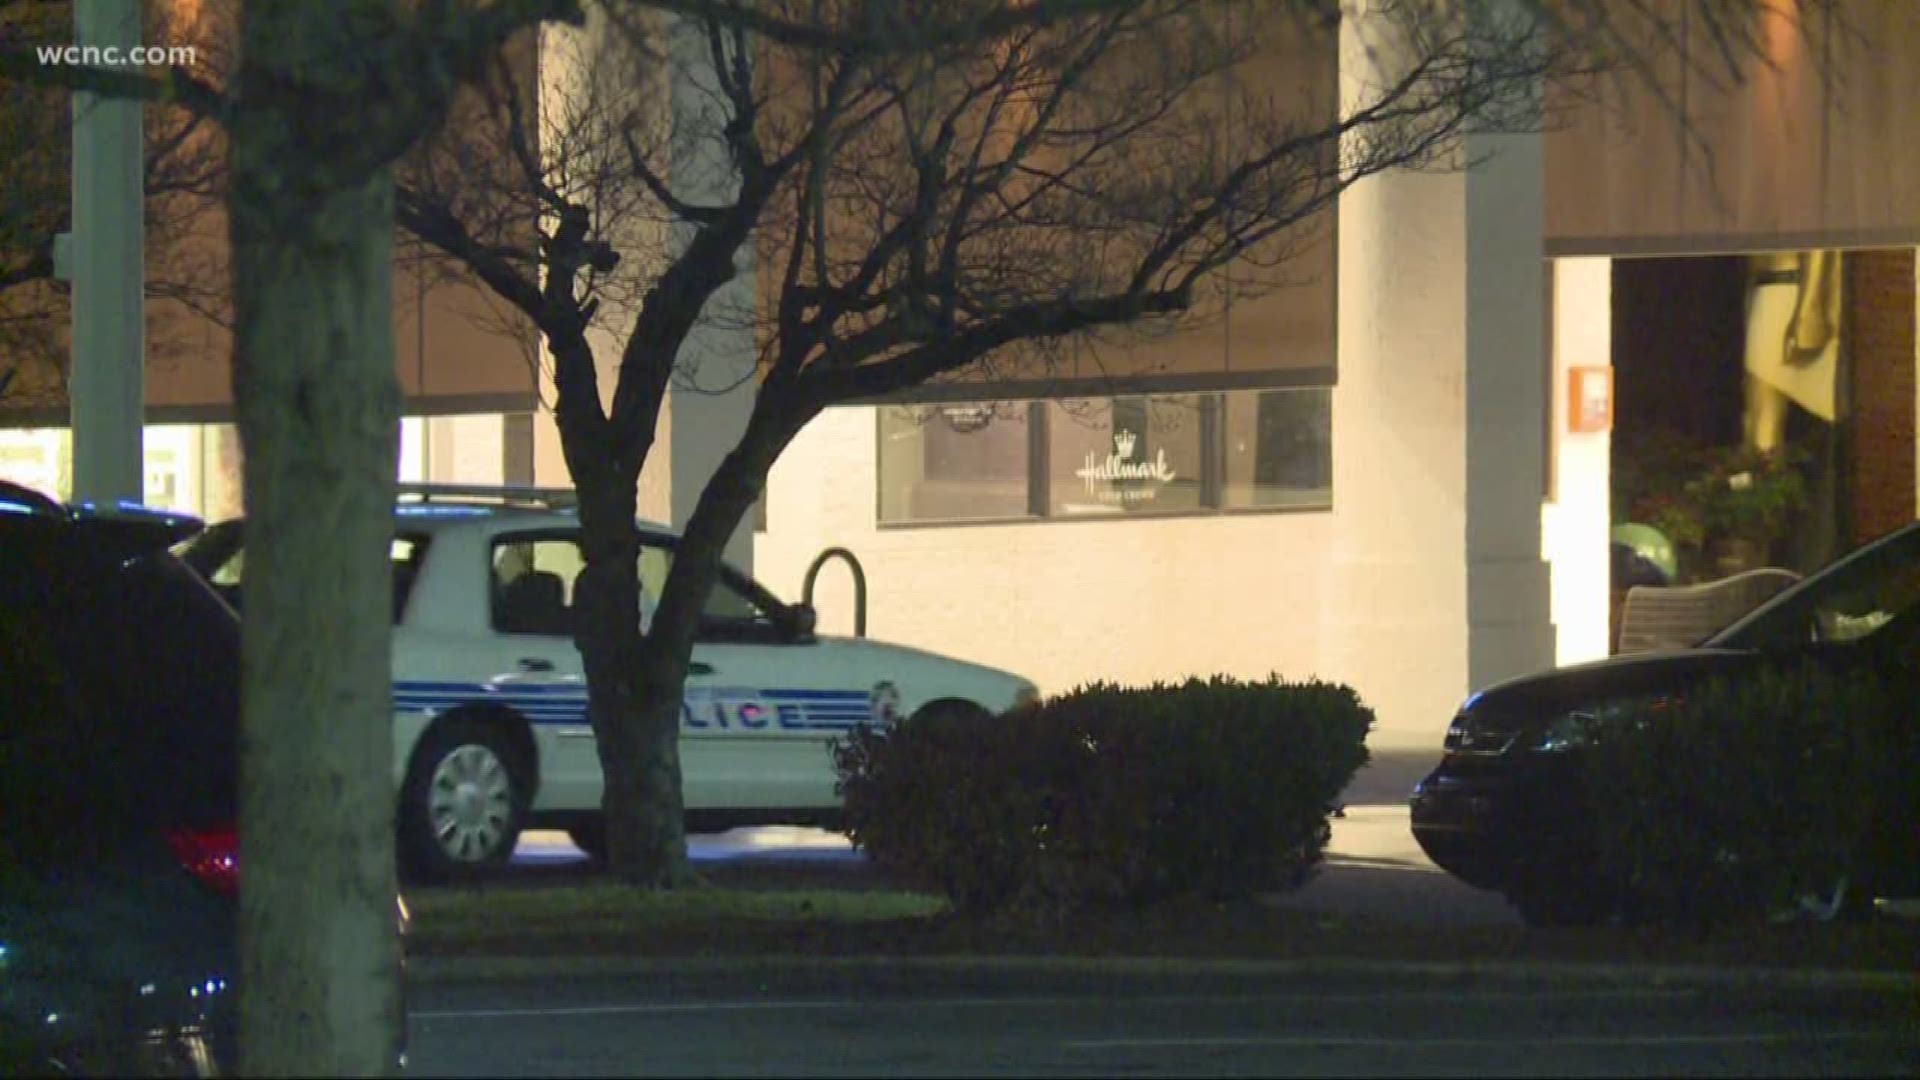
443 970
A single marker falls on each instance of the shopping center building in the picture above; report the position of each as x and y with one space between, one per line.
1401 474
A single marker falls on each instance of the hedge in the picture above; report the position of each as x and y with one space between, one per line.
1753 791
1108 794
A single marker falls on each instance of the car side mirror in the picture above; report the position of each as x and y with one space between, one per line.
801 620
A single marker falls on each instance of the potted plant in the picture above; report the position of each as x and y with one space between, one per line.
1748 498
1651 471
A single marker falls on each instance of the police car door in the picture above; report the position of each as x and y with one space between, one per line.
533 666
760 709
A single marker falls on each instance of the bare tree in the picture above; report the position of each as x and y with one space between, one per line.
987 203
547 209
926 188
32 204
182 171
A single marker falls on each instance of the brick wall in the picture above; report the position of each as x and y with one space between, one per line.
1880 325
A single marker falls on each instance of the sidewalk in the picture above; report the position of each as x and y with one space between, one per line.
1373 866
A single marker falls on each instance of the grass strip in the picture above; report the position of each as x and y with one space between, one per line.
606 919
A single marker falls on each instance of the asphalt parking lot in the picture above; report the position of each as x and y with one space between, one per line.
1035 1021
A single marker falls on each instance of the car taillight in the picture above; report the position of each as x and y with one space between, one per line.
211 855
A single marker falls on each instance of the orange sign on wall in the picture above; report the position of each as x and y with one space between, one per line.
1589 399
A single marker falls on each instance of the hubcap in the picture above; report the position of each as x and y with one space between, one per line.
470 802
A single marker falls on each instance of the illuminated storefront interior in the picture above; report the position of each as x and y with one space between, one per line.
195 468
1766 404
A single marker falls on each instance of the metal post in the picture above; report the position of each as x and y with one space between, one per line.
859 585
107 385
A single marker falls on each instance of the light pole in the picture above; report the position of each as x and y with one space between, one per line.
107 385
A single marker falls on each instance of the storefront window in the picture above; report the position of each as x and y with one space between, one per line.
954 462
172 456
1279 449
1107 457
37 459
1126 455
192 468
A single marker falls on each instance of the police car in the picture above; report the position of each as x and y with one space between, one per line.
489 696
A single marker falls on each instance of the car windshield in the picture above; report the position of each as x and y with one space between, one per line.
1849 599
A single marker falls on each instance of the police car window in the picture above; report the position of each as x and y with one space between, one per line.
726 603
532 588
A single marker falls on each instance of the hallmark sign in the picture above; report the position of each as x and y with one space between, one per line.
1119 478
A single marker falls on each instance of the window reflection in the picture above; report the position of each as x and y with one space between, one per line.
1279 449
954 462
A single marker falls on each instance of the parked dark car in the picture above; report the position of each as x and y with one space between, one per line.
1504 809
119 767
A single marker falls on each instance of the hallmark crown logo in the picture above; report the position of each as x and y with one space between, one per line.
1102 476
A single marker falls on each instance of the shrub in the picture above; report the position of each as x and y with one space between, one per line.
1750 792
1107 795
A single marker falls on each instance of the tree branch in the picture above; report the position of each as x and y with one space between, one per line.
888 28
1046 318
678 207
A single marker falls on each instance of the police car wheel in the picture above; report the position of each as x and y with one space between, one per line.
464 801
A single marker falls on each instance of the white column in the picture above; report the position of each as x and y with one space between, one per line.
1509 625
1436 585
1394 620
714 381
107 386
1577 522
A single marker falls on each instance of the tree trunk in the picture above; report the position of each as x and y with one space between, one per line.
662 655
646 838
317 402
639 747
